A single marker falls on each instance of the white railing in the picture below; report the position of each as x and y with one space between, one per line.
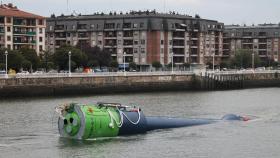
98 74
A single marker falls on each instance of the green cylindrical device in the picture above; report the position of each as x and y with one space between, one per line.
79 121
89 121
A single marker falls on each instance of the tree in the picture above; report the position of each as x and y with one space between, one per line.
95 55
26 64
132 65
61 57
156 64
225 64
243 59
114 65
15 60
31 57
186 65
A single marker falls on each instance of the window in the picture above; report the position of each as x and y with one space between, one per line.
141 25
51 28
40 39
170 42
135 42
40 30
135 25
8 20
73 27
135 50
99 42
9 46
142 50
41 22
8 29
40 48
68 34
161 50
92 26
8 38
118 25
119 42
161 42
142 41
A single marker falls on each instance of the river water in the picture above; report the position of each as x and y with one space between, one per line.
28 127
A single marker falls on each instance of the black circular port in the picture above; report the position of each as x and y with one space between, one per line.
65 121
71 120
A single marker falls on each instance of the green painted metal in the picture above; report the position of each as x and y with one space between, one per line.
98 122
89 121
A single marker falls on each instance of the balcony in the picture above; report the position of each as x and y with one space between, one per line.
24 42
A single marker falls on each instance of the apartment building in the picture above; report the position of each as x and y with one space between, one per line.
141 37
21 29
262 39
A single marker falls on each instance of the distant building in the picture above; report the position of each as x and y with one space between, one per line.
21 29
141 37
263 40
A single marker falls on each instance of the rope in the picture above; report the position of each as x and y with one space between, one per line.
122 115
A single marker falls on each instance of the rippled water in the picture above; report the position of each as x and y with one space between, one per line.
28 127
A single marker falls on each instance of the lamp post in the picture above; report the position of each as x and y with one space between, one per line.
213 62
253 61
69 66
6 55
171 62
124 54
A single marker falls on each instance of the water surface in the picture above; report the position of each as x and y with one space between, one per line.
28 127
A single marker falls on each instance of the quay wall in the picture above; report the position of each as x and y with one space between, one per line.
78 85
55 86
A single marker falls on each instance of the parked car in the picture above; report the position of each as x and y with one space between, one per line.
38 72
23 73
260 68
2 72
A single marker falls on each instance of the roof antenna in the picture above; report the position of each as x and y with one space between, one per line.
164 6
67 6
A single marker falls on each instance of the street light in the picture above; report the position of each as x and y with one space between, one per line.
124 54
213 62
253 60
171 62
6 54
69 55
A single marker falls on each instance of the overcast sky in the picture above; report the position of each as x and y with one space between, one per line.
227 11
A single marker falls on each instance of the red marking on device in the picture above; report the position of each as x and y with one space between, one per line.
245 118
90 110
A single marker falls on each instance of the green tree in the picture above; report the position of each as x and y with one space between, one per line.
61 57
114 65
132 65
186 66
15 60
26 64
101 57
156 64
31 56
243 59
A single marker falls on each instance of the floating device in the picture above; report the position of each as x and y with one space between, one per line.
79 121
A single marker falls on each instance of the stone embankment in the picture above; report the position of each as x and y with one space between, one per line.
78 85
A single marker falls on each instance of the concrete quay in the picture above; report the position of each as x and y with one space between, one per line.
79 84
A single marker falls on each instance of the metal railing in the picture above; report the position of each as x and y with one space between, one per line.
97 74
153 73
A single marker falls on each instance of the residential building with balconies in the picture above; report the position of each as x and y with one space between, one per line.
20 29
263 40
141 37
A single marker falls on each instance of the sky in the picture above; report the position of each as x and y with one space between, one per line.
227 11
